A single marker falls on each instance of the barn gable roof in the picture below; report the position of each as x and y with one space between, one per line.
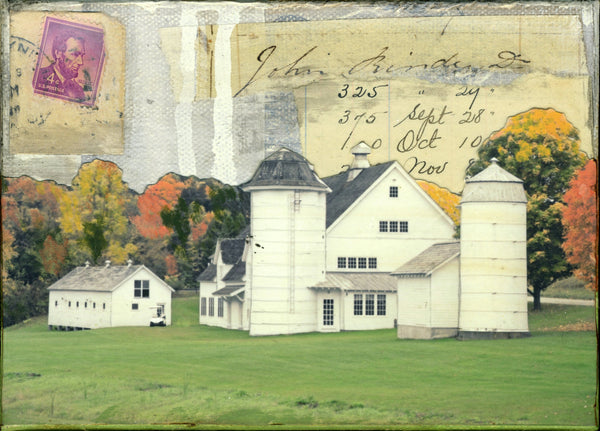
209 273
425 263
232 250
99 278
358 281
237 272
344 193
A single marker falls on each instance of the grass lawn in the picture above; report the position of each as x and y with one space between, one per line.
189 373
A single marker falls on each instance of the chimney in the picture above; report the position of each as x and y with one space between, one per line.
360 162
107 263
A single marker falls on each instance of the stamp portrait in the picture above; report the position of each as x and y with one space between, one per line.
70 61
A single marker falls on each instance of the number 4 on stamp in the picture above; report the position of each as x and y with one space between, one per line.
70 61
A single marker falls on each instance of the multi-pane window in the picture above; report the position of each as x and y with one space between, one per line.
134 306
203 306
211 306
393 191
393 226
220 307
381 305
370 305
357 262
358 304
141 289
328 312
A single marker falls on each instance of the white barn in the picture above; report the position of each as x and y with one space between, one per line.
91 297
319 253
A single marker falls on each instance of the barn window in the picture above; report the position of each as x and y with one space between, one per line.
381 305
85 305
134 306
358 304
370 305
341 262
203 306
362 262
103 306
393 191
141 289
372 263
220 307
351 262
383 226
403 226
69 303
328 312
94 305
77 304
56 303
393 226
211 306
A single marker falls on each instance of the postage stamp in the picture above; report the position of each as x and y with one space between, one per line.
70 61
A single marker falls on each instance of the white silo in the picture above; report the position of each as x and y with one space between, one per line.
493 256
287 227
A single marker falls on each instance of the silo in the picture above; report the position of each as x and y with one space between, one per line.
493 256
287 227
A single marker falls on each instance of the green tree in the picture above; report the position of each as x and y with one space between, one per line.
543 149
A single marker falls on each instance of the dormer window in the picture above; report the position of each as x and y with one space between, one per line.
393 191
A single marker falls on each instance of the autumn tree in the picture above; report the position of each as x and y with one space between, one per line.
95 213
447 200
581 224
543 149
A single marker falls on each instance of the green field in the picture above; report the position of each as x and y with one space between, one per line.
194 374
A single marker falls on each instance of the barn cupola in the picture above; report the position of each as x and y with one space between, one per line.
493 256
360 162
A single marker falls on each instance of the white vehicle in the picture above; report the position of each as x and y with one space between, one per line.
158 318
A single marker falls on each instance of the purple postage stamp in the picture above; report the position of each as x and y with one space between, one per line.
70 61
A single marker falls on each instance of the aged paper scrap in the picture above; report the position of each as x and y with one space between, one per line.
43 124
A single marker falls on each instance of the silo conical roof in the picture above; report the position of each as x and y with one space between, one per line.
494 184
285 168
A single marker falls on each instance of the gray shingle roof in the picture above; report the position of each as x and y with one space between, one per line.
344 193
95 278
358 281
494 184
285 168
209 273
228 290
237 272
232 250
427 261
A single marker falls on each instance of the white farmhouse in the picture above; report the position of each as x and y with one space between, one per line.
98 297
319 252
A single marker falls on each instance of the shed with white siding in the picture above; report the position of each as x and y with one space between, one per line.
91 297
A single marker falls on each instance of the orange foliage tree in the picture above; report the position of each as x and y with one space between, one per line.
581 224
447 200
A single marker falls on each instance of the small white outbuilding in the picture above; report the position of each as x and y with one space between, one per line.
91 297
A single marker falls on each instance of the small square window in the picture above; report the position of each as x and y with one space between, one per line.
383 226
393 226
403 226
341 262
362 262
351 262
134 306
393 191
373 263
